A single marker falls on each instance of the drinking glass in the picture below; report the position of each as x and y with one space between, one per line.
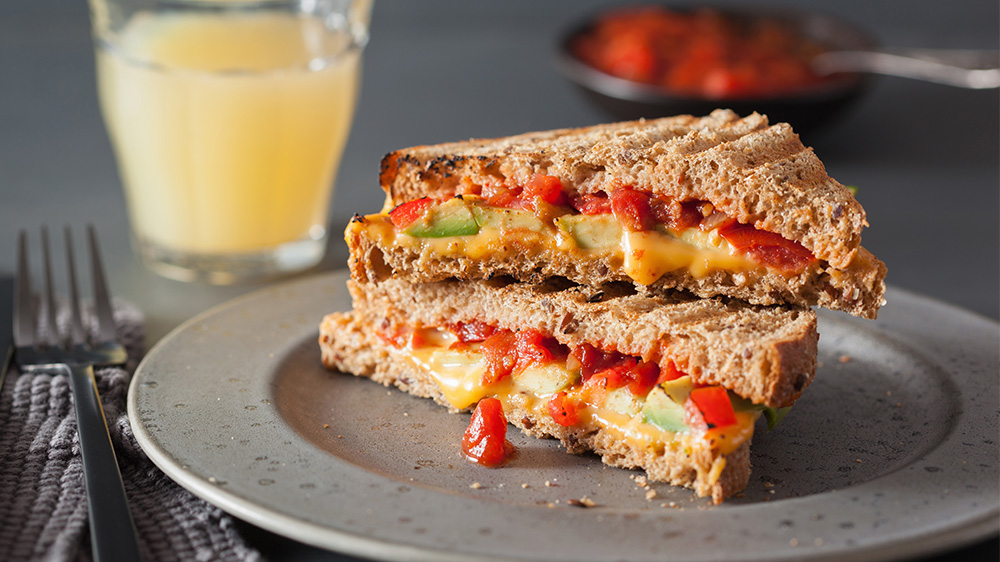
228 119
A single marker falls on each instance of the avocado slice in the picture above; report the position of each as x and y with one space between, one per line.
546 379
772 415
451 218
678 389
622 400
661 411
506 219
775 415
592 232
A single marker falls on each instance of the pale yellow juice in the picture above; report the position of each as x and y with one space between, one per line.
228 128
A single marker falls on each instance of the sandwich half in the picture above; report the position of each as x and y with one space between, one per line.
717 205
670 384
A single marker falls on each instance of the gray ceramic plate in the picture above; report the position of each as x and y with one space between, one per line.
892 451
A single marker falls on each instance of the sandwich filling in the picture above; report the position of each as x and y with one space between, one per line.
647 405
645 236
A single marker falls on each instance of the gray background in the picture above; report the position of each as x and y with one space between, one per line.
925 157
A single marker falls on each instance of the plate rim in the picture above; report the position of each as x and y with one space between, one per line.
940 537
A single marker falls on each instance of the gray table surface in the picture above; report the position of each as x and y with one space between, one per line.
926 157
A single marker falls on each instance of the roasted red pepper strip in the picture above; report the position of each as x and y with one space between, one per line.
714 405
767 248
406 213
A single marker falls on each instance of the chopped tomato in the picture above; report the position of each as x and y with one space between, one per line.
767 248
546 188
508 352
498 195
701 53
634 60
417 339
729 82
591 203
398 336
498 357
685 215
485 440
644 376
606 371
670 373
406 213
593 360
638 376
390 335
631 208
473 331
563 410
712 402
539 187
534 348
611 378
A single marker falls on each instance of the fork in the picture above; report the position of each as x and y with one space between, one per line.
40 349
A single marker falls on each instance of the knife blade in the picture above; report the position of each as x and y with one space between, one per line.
6 325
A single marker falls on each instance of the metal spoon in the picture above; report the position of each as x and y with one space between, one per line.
961 68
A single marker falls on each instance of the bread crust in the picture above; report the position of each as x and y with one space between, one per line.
348 344
765 354
757 173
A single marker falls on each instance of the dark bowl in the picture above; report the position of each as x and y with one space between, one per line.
805 110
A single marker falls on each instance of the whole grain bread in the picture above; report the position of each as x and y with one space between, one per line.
858 290
765 354
349 344
755 172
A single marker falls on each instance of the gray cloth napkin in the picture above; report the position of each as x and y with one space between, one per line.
43 503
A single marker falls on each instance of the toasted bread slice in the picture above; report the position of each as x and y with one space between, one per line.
756 173
378 253
744 169
764 354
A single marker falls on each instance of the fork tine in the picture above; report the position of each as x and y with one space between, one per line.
112 529
102 300
50 332
25 318
77 334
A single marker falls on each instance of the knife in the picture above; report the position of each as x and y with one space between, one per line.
6 324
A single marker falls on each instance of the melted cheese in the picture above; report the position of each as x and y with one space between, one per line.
644 256
459 373
650 254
